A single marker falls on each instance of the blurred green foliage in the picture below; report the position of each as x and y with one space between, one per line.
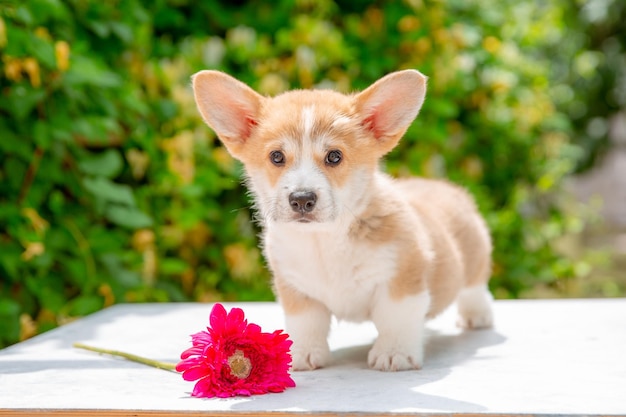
112 190
590 85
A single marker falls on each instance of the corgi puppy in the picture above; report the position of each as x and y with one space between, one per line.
341 237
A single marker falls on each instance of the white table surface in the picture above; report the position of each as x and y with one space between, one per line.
543 357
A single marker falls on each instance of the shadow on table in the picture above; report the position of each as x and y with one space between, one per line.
348 385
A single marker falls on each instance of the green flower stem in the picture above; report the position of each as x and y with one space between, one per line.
134 358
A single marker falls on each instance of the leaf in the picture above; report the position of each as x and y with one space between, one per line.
86 71
172 266
9 308
96 129
21 100
119 274
52 299
17 167
44 10
17 41
84 305
43 50
11 144
442 107
130 217
9 321
41 134
123 31
109 191
102 30
108 164
23 14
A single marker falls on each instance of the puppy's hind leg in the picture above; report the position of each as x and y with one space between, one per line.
474 300
474 307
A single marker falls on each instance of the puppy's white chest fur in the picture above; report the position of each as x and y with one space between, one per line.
330 267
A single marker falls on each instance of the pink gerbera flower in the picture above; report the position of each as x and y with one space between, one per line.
234 357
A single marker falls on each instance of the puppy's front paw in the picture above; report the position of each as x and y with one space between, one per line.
310 358
394 359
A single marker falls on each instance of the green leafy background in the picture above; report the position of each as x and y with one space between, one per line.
112 190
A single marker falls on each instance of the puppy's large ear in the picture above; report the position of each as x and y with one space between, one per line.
228 106
388 106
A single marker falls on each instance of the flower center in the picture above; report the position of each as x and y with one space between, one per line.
240 366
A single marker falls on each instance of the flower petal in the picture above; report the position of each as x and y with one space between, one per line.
218 316
196 372
194 350
204 388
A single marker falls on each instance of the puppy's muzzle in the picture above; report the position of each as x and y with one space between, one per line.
302 201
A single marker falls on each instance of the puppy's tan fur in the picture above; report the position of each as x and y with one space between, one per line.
366 247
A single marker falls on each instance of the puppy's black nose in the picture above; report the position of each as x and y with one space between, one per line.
302 201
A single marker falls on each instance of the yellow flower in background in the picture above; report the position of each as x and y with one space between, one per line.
62 54
198 236
40 225
3 33
180 156
43 33
12 68
423 46
224 160
273 84
409 23
138 161
31 66
28 326
242 260
144 241
491 44
434 166
107 293
472 166
33 249
441 36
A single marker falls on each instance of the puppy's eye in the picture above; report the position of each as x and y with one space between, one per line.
333 158
277 158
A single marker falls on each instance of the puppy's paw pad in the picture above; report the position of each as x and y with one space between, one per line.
394 361
308 360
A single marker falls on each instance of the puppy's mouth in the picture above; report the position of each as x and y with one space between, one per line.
304 218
